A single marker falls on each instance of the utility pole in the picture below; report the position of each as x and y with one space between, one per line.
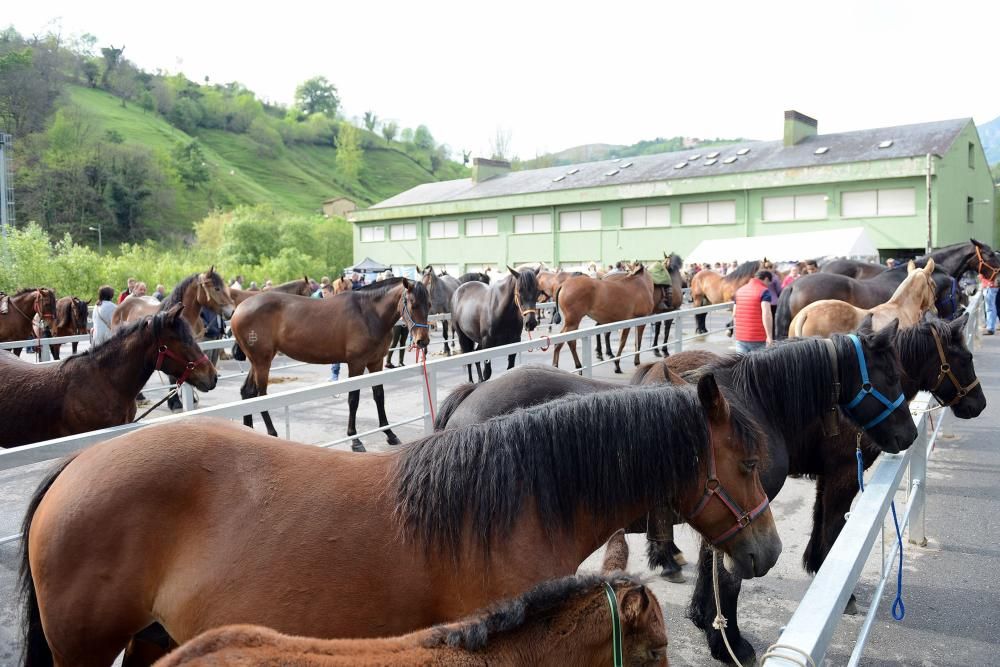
100 240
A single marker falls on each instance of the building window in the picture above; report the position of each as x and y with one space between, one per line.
970 216
407 232
972 155
443 229
539 223
481 227
709 213
369 234
577 221
795 207
878 203
634 217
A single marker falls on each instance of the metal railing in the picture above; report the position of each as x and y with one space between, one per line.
811 628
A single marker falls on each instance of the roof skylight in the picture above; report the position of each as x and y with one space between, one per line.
558 178
743 151
692 158
729 160
574 170
885 144
713 155
680 165
821 150
626 165
612 172
711 161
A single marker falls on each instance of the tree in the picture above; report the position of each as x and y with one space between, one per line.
317 95
349 153
423 139
370 120
189 164
500 144
90 71
389 130
112 58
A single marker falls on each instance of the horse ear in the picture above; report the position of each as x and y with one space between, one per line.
407 284
886 335
305 278
634 604
911 266
538 269
975 243
929 269
512 271
866 325
711 398
616 553
211 270
665 255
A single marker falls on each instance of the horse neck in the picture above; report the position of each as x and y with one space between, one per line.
387 306
502 299
134 360
954 261
917 360
192 307
910 294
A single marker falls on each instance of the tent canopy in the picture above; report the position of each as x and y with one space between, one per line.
849 242
368 265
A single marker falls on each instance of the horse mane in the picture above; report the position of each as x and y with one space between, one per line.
562 454
527 280
25 290
744 270
375 291
109 353
675 263
515 613
917 344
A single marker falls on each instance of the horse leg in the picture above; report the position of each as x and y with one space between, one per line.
639 331
261 369
666 334
656 340
702 610
834 494
621 347
444 331
660 548
599 351
487 370
607 343
248 390
379 395
74 346
511 358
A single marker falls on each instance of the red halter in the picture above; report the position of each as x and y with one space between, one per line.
189 366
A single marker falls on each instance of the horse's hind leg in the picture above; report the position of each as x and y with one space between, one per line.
666 334
444 331
607 343
621 348
656 339
378 393
702 610
599 351
639 331
353 398
248 390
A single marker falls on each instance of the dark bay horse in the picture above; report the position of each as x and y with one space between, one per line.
443 526
670 298
71 320
474 277
301 287
350 327
708 287
97 388
605 301
950 262
853 268
490 316
18 310
561 621
440 288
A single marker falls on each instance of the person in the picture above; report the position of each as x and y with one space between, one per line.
140 289
990 299
793 274
159 294
619 268
103 311
253 286
127 292
752 318
268 285
811 266
237 283
890 263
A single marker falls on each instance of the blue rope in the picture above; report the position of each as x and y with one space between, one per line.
898 608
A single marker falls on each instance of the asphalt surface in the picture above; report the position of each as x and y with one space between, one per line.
951 589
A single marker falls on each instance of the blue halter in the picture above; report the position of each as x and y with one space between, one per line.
868 390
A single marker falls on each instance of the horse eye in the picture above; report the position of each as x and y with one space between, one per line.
750 464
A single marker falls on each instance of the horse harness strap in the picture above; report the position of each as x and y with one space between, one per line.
616 626
868 390
517 302
713 487
982 264
404 310
164 351
946 372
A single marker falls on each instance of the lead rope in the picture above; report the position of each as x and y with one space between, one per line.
898 608
720 622
616 627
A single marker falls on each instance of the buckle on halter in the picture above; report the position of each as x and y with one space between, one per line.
744 520
867 387
709 487
945 367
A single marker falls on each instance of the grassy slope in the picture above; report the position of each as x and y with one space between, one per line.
299 178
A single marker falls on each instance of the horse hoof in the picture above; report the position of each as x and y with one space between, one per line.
393 440
852 606
388 364
618 369
679 558
356 446
675 577
741 647
656 353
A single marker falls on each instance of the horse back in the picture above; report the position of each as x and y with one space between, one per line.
31 400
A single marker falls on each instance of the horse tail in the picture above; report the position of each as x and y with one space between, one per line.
783 316
451 403
556 316
36 649
799 323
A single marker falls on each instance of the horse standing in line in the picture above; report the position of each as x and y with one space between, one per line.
446 525
18 310
550 281
350 327
97 389
708 287
440 288
670 298
71 320
853 269
490 316
301 287
560 621
605 301
473 277
197 291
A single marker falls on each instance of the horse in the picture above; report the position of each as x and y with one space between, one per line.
951 262
350 327
914 296
97 389
605 301
71 320
709 287
445 525
18 310
560 621
301 287
474 277
853 268
550 281
670 298
491 316
440 288
197 291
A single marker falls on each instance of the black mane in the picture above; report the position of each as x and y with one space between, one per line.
562 455
124 339
377 290
514 613
675 263
744 270
25 290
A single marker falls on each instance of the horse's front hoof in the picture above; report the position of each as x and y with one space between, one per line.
656 353
393 440
741 647
356 446
852 606
618 369
677 554
388 364
674 577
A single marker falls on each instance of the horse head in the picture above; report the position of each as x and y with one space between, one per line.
216 293
45 305
415 306
936 358
985 261
178 353
525 286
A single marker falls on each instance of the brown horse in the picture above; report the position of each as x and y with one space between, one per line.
914 297
350 327
301 287
550 281
17 313
709 287
441 527
342 284
853 269
605 301
71 320
197 291
97 389
568 621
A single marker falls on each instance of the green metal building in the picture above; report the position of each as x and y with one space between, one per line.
639 207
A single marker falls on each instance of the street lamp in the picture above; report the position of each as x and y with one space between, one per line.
100 241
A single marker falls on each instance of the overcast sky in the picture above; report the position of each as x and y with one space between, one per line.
560 74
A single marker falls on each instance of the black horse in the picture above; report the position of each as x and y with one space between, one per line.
950 263
489 316
474 277
441 289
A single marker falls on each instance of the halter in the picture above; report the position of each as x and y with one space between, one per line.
868 390
946 372
713 487
616 626
204 282
982 264
189 366
951 299
404 310
517 302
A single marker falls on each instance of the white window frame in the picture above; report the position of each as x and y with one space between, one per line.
882 209
442 229
406 232
539 223
479 226
796 204
375 233
573 221
643 213
706 210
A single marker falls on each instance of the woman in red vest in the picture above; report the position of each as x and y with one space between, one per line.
752 319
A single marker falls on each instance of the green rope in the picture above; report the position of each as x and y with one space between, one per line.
616 626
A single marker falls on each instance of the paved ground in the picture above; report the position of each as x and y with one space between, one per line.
951 586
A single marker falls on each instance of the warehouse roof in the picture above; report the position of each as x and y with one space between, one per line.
884 143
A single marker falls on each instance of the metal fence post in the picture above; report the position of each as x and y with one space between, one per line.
187 397
45 352
918 486
430 400
588 368
679 334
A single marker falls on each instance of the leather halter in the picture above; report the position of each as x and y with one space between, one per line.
713 487
404 311
868 390
189 366
517 302
982 264
946 372
204 283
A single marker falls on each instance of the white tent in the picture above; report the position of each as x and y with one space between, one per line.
849 242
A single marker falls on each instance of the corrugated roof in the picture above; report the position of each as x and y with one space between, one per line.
858 146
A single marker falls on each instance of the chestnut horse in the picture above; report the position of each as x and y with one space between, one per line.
341 284
97 389
197 291
301 287
441 527
709 287
350 327
71 320
550 281
605 301
908 303
17 313
567 621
